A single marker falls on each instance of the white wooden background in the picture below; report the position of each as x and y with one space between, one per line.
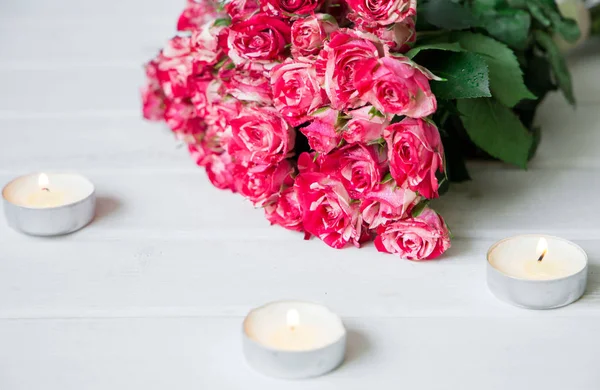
152 294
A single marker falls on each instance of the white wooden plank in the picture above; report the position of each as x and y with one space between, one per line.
584 64
509 201
58 91
56 11
570 136
495 204
124 140
123 44
407 353
103 143
153 277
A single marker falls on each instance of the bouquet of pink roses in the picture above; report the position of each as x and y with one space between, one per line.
316 111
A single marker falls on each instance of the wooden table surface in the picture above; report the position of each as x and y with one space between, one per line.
152 294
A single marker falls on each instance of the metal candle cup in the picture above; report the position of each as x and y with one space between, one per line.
515 275
293 339
49 204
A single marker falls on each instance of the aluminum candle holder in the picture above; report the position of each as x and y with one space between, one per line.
49 204
293 339
551 276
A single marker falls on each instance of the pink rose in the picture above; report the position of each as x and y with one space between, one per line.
151 69
290 8
260 40
415 153
241 9
198 154
321 133
177 47
360 168
261 136
220 110
421 238
153 103
205 48
386 204
381 13
307 162
327 210
197 89
181 117
197 13
395 86
219 169
261 183
285 211
398 37
296 91
345 53
173 76
365 125
206 144
247 84
309 34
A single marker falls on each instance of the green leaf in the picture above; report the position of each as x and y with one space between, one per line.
487 5
559 66
547 14
443 183
455 162
446 46
373 112
222 22
219 64
419 207
387 178
466 76
537 137
510 26
448 14
506 77
496 129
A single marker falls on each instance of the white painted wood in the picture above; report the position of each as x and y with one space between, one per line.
53 12
153 277
394 353
70 46
152 294
498 202
107 143
56 91
119 139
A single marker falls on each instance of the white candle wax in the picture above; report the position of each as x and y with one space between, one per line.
47 190
293 326
518 257
49 204
293 339
537 272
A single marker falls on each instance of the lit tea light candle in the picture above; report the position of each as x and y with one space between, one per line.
537 272
49 204
292 339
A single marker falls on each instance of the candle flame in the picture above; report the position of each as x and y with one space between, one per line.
43 180
542 248
293 318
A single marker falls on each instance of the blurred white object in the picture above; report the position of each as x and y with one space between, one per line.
578 11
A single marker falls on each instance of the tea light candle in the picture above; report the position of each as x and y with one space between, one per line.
537 272
49 204
293 339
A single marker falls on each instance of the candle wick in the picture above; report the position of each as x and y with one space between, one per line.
46 189
541 256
